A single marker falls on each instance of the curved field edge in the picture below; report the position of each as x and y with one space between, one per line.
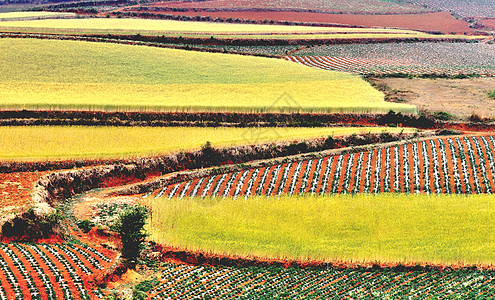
70 74
54 188
358 228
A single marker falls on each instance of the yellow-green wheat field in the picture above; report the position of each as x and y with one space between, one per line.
71 142
405 228
49 74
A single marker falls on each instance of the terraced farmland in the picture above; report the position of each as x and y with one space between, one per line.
97 76
270 283
460 165
50 271
414 58
41 143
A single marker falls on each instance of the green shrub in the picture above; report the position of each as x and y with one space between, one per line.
130 226
443 116
85 225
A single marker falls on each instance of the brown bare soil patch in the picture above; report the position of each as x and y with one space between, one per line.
440 21
460 97
16 188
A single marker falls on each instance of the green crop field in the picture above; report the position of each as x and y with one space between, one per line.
49 74
69 142
363 228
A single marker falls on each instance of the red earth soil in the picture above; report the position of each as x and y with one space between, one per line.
319 5
16 188
439 21
182 256
489 23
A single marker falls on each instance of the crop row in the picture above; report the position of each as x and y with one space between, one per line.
472 8
383 66
49 271
393 57
204 282
460 165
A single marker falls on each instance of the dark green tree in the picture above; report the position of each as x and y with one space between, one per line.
130 226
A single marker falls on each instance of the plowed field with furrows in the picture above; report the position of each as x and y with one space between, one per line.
190 282
383 66
50 271
453 165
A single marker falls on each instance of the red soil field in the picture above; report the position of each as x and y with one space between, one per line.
439 21
320 5
16 188
489 23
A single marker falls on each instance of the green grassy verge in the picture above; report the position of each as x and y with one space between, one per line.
379 228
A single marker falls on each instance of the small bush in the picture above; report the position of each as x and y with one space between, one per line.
448 132
330 142
491 94
475 118
443 116
85 225
143 287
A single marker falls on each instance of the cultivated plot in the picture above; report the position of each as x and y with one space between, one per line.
41 143
48 74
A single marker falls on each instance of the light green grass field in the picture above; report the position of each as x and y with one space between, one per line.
70 142
49 74
364 228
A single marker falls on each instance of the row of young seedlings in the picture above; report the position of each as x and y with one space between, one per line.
433 164
27 260
200 282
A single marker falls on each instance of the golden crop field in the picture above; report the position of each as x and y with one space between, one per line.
50 74
170 26
207 29
361 228
70 142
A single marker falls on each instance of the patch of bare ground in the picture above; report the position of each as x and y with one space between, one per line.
459 97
